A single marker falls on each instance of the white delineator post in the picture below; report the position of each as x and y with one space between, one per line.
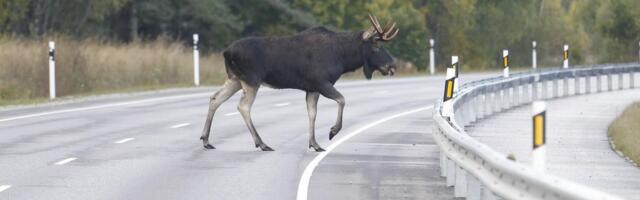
456 69
432 61
505 63
52 70
565 56
539 109
534 56
196 61
449 85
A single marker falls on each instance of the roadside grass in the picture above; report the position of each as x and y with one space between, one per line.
93 66
624 132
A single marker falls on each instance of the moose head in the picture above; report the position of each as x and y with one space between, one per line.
376 57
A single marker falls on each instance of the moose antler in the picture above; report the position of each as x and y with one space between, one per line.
388 32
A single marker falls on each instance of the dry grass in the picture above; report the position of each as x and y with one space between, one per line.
95 66
625 132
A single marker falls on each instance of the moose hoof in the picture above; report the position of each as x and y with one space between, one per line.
266 148
208 146
318 149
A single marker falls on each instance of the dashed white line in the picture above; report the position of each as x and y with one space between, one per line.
283 104
65 161
4 187
100 106
303 185
231 114
124 140
180 125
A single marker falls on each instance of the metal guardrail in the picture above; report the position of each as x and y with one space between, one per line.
479 172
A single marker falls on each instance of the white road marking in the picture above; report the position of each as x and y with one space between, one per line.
124 140
180 125
303 185
231 114
110 105
65 161
283 104
4 187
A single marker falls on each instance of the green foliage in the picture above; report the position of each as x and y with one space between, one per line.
476 30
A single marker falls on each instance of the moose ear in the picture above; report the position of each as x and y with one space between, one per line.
368 72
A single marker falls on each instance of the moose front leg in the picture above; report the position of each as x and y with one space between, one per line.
331 93
312 108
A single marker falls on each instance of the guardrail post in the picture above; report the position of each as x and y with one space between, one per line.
460 189
443 163
539 136
565 86
576 84
632 82
599 82
196 61
534 56
554 87
451 173
52 70
505 63
609 82
474 188
565 56
534 89
620 83
587 84
545 89
432 61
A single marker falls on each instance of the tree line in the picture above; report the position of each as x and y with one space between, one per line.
476 30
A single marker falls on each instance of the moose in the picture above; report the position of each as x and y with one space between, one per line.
312 61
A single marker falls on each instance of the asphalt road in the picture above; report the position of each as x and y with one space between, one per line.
145 146
577 143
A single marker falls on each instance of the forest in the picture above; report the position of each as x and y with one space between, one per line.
602 31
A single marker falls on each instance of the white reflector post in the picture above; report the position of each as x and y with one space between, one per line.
432 61
449 85
565 56
539 109
52 70
505 63
196 61
534 55
456 67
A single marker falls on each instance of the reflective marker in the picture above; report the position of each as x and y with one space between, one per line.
539 135
505 63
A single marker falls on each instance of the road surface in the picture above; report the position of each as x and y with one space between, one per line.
146 146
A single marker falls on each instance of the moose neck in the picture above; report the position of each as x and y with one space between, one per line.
351 50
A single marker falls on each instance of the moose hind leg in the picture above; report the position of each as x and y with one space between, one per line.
230 87
244 107
312 108
330 92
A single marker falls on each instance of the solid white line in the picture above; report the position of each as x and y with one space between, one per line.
99 107
4 187
124 140
230 114
303 185
180 125
65 161
283 104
